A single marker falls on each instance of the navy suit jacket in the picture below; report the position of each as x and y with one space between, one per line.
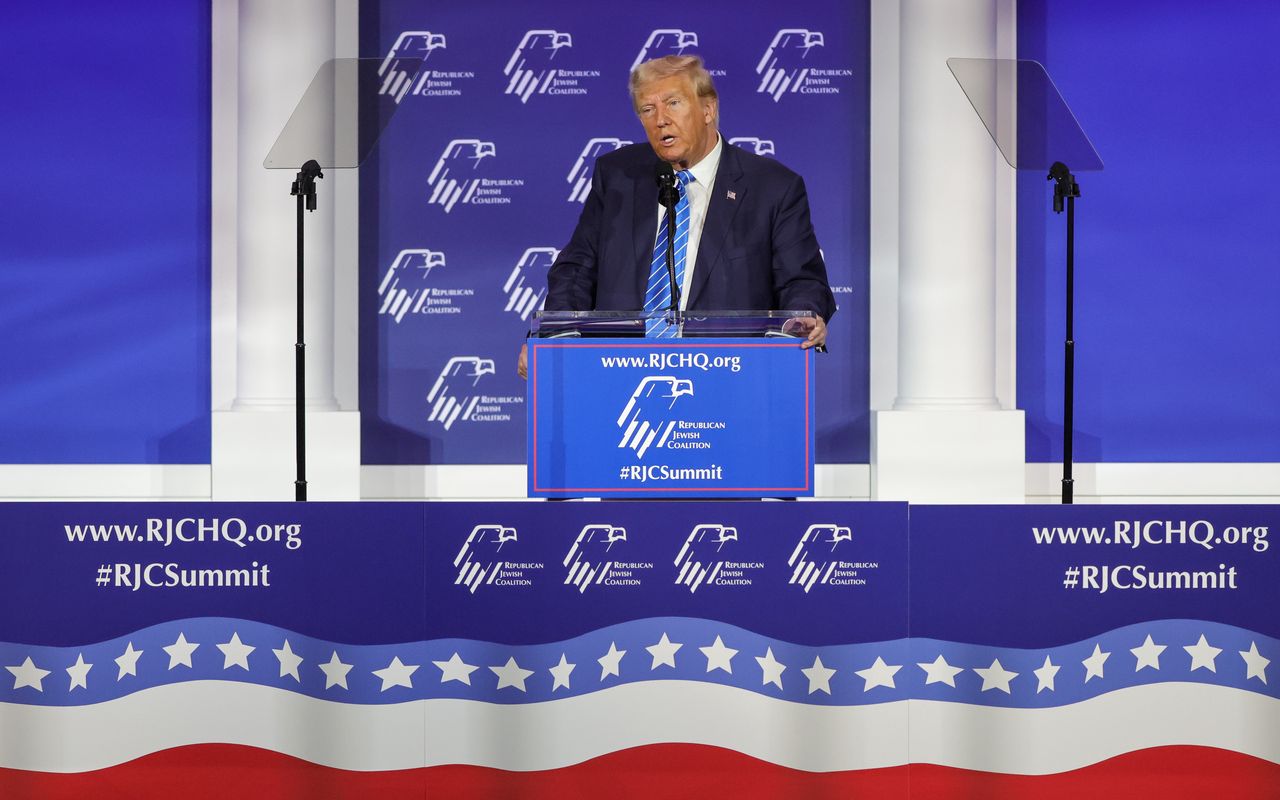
757 251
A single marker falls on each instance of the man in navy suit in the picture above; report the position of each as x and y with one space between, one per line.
751 245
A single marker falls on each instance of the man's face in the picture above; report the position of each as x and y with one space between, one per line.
680 127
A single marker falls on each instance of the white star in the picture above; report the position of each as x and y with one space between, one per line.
819 676
180 652
235 653
771 667
335 672
511 674
1045 675
878 674
610 661
1202 655
455 669
396 674
128 661
996 677
1093 664
289 661
1148 654
79 673
664 652
719 656
560 673
939 671
28 674
1255 664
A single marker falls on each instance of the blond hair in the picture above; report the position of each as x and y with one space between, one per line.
667 66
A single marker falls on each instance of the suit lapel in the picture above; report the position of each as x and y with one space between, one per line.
727 196
644 225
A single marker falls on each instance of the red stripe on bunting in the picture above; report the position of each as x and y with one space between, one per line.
210 771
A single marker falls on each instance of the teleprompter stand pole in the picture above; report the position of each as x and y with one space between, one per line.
1066 189
304 188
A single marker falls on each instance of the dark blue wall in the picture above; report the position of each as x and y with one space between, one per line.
1177 241
104 232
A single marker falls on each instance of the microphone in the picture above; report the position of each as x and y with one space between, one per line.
665 175
668 196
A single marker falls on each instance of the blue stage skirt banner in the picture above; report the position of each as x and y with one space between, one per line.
476 650
670 418
480 179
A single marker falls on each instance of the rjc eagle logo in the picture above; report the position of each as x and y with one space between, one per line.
644 418
761 147
699 561
403 289
811 561
588 551
448 396
454 178
781 67
666 42
526 287
400 69
580 175
477 561
529 67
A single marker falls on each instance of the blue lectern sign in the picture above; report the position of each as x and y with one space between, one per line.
674 418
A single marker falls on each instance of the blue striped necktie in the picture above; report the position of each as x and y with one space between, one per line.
657 296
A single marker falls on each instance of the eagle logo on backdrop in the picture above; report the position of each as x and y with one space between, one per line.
450 397
400 69
698 561
526 287
645 417
529 68
761 147
403 289
478 561
782 68
811 561
587 556
454 178
580 175
665 42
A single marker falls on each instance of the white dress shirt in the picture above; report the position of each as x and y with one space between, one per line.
699 191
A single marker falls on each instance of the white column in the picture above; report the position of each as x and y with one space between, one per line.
281 44
946 438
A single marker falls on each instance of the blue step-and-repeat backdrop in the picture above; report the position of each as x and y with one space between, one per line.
480 179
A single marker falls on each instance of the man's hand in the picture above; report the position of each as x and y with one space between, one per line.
522 363
817 328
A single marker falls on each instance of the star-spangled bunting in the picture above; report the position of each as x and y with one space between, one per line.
876 674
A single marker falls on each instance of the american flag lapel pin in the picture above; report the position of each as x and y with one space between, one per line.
732 195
